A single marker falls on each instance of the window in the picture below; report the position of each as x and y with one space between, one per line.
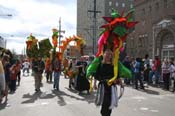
173 1
150 8
123 4
143 11
165 4
116 4
110 11
110 3
157 6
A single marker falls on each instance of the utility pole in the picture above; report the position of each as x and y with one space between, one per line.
94 11
59 32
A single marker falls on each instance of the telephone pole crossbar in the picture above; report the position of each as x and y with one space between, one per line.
94 11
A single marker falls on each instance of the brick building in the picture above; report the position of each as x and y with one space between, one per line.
155 33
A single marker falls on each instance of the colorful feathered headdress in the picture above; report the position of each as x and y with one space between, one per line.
112 37
115 31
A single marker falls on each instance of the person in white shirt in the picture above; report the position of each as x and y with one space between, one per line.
172 72
26 66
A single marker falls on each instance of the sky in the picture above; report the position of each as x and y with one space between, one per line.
38 17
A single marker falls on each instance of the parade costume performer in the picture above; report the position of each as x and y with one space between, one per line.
111 39
36 54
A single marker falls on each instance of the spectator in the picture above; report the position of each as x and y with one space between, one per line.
7 65
2 81
18 64
26 66
172 72
146 68
137 72
57 72
127 64
166 74
157 65
81 81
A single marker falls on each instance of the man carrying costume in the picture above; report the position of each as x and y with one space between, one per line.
38 68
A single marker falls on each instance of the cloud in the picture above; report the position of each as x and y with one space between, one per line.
37 17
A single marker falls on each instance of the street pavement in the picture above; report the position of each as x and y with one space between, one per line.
67 102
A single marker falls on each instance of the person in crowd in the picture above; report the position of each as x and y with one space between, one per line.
18 64
65 66
82 82
13 76
146 69
152 72
137 72
157 64
166 74
26 66
38 68
2 81
132 69
48 70
56 73
172 72
73 72
6 65
127 64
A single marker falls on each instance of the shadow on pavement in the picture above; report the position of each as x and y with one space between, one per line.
149 91
35 96
90 98
85 97
31 98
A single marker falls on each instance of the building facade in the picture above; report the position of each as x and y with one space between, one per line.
85 19
155 32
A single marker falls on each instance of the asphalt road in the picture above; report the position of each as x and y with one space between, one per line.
66 102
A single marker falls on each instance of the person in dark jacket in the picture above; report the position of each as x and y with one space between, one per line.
38 68
82 82
105 72
137 71
56 72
